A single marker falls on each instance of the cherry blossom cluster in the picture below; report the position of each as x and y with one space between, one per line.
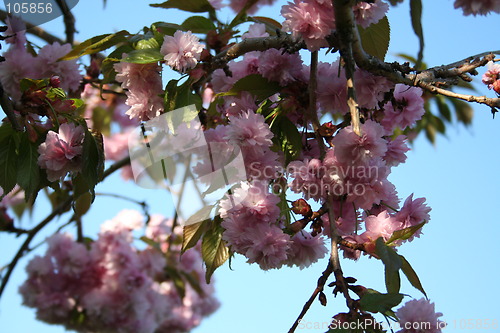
109 285
492 77
314 20
44 65
478 7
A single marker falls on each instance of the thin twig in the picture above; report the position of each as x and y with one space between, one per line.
319 288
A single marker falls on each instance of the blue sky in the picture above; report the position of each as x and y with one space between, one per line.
456 258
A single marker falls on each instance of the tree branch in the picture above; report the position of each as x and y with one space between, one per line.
319 288
256 44
69 21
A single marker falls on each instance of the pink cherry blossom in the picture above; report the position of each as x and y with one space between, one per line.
478 7
61 152
492 77
269 246
14 68
117 287
417 314
256 30
249 130
306 250
396 151
281 67
406 109
310 21
413 213
46 64
369 13
307 178
351 148
251 201
381 225
331 90
144 85
370 89
182 51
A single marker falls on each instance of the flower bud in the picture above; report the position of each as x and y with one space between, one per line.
301 207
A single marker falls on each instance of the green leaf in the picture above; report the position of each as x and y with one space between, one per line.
405 233
416 22
193 6
176 278
150 43
380 303
375 38
288 137
255 84
241 16
8 163
171 94
191 235
198 25
463 111
411 275
28 171
96 44
165 28
101 120
392 263
192 279
213 250
144 56
185 96
444 109
93 159
152 243
271 24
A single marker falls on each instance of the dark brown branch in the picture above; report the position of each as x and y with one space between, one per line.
34 30
319 288
69 21
256 44
344 18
